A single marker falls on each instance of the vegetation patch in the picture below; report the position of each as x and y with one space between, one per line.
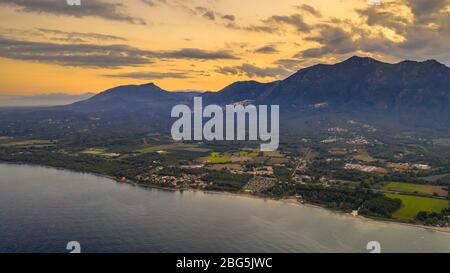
381 206
442 142
168 147
412 205
99 152
28 144
364 157
445 179
416 188
218 158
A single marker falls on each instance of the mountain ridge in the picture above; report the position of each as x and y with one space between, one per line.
407 89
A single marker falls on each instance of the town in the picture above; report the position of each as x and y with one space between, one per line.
352 168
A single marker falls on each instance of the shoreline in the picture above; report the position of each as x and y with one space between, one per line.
284 200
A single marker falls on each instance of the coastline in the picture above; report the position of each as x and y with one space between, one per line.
284 200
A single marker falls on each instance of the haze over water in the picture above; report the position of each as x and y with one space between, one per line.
42 209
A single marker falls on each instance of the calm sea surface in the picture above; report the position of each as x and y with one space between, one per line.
42 209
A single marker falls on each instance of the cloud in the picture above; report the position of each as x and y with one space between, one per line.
194 53
154 3
275 24
151 75
98 56
59 35
210 15
385 16
309 9
229 17
423 9
295 20
82 55
386 31
255 28
290 64
426 35
91 8
253 71
332 40
269 49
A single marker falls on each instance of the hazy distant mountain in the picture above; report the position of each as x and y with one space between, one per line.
42 100
132 98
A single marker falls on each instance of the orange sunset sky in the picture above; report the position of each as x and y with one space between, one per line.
47 46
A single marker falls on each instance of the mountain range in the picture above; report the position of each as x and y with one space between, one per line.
417 91
408 94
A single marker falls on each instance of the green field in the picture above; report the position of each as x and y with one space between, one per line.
217 158
365 157
415 188
442 142
99 152
412 205
167 147
28 144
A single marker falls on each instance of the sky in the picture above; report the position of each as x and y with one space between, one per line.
48 46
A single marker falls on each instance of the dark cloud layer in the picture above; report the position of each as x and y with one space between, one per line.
151 75
59 35
253 71
269 49
310 10
275 24
93 55
194 53
92 8
426 35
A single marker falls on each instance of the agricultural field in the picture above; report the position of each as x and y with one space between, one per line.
364 157
412 205
99 152
218 158
169 147
442 142
28 144
415 188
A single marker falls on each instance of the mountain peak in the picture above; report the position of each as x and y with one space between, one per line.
357 60
150 84
434 62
